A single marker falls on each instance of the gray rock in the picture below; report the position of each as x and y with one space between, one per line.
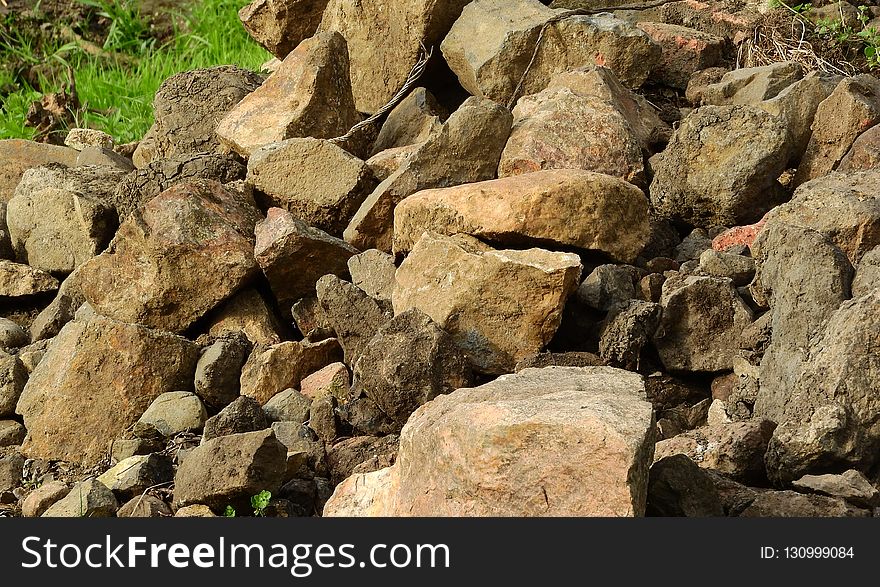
242 415
738 268
11 433
373 271
628 328
347 455
11 467
692 246
788 504
678 487
323 418
752 85
867 276
353 315
850 485
133 476
288 406
87 499
218 372
12 336
61 310
411 122
13 377
172 413
607 286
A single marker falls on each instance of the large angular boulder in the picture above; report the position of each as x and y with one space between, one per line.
293 255
309 95
749 86
187 109
269 371
315 180
558 441
60 217
352 314
565 207
101 362
465 149
230 470
384 40
409 362
19 155
493 41
175 259
499 306
280 25
705 177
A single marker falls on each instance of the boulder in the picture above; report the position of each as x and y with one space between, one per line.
17 280
788 504
247 312
350 454
864 153
465 149
188 108
175 259
351 313
867 275
218 372
60 217
133 476
701 324
704 177
41 498
330 380
315 180
627 330
409 362
280 25
607 286
288 406
738 268
99 363
293 255
230 470
270 370
492 42
60 310
849 485
380 67
11 433
500 306
373 272
87 499
172 413
307 96
685 52
19 155
561 208
12 336
543 442
411 122
242 415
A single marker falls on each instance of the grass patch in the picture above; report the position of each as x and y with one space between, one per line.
117 77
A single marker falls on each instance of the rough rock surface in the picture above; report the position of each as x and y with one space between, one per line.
19 155
18 280
271 370
351 313
500 450
280 25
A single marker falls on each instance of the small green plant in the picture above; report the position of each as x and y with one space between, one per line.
229 512
260 502
798 8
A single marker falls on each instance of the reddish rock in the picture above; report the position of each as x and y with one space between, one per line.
685 51
738 235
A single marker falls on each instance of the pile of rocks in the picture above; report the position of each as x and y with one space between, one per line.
580 306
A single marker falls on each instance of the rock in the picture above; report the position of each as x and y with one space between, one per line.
475 134
379 69
411 122
247 312
172 413
628 329
11 433
307 96
270 370
242 415
560 129
5 244
144 506
11 472
188 109
141 186
323 418
752 85
303 444
409 362
845 208
701 323
41 498
850 486
87 499
293 255
133 476
685 51
365 417
280 25
218 372
602 213
796 105
19 155
121 365
373 272
705 178
570 359
124 448
588 455
175 259
81 138
230 470
104 158
288 406
499 306
738 236
351 313
386 163
864 153
12 336
17 280
607 286
195 511
788 504
330 380
700 81
867 275
60 310
738 268
61 217
13 377
735 450
678 487
315 180
490 45
347 455
852 108
309 317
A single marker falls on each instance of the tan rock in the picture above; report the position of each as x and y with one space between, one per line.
865 152
411 122
271 370
247 312
19 155
99 363
685 51
330 380
175 259
499 306
558 207
280 25
18 280
558 441
307 96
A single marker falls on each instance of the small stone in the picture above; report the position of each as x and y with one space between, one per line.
607 286
331 380
134 475
242 415
737 268
323 419
87 499
195 511
288 406
18 280
11 433
80 138
41 498
218 372
171 414
144 506
13 377
270 370
851 485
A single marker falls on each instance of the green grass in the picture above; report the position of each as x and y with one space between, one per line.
117 97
